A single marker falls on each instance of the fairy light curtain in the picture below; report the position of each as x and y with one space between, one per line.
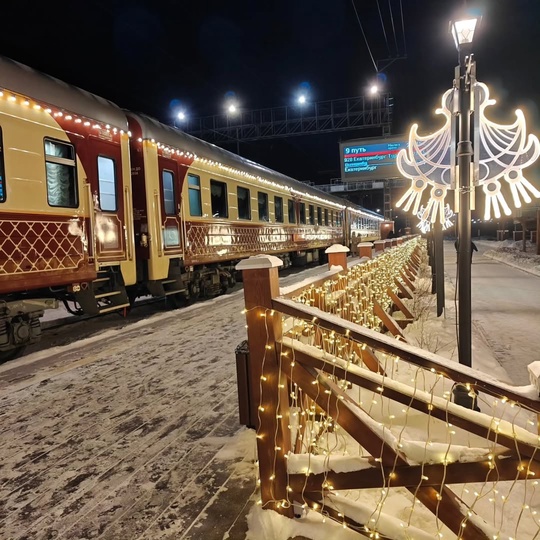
501 152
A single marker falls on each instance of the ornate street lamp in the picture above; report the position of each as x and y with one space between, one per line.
465 77
469 151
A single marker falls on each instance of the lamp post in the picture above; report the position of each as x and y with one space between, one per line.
463 32
443 161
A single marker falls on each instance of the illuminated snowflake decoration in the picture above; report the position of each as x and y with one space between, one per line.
504 151
425 224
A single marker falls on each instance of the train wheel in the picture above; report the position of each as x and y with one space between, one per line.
6 356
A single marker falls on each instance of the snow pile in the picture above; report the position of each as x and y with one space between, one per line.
511 253
269 525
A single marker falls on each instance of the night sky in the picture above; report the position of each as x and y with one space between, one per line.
145 55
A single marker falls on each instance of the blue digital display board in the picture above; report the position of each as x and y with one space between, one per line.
370 159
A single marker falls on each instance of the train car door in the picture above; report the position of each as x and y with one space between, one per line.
170 183
105 176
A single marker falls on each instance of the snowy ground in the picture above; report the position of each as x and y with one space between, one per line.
133 434
511 253
125 435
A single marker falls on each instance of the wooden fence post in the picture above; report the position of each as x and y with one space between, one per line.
268 386
379 245
337 256
365 249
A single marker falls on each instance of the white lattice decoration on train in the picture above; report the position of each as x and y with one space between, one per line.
40 246
206 240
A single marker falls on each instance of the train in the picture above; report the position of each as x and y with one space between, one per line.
100 205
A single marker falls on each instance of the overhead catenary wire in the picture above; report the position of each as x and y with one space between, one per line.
383 28
403 28
364 34
393 27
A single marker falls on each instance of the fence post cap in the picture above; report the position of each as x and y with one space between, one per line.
534 374
379 242
365 244
337 248
259 261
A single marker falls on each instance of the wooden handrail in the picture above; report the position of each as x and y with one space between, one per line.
470 420
433 362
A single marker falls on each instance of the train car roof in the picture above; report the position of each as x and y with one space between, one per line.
31 83
175 138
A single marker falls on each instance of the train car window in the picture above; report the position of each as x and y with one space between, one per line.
326 216
338 218
244 203
194 195
107 183
278 209
332 218
303 213
2 175
292 214
311 214
319 215
167 178
61 174
218 192
262 198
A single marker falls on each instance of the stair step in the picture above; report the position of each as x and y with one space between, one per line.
99 279
176 291
167 281
113 308
107 294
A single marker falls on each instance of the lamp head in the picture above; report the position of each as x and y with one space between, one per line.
463 30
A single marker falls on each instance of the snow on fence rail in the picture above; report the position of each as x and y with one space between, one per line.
356 424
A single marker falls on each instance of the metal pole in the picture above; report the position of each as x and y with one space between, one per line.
464 153
431 254
439 265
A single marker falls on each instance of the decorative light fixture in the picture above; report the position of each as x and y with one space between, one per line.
503 152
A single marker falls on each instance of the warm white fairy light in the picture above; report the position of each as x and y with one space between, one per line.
270 183
56 113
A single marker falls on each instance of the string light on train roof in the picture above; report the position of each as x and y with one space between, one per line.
233 170
57 113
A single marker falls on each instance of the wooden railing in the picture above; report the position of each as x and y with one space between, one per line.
318 379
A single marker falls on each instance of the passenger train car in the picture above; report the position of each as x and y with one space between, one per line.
99 205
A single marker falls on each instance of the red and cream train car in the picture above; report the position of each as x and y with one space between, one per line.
199 209
66 218
99 205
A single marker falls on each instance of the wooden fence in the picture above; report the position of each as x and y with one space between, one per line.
340 401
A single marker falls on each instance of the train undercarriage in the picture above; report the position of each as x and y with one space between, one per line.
20 314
